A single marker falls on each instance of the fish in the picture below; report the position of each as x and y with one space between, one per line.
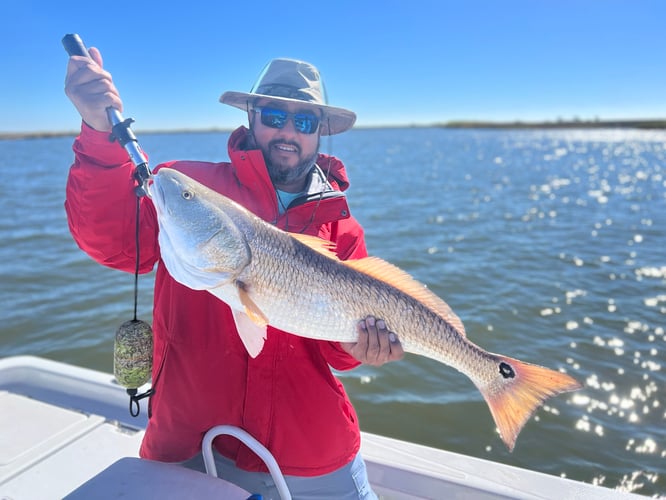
296 284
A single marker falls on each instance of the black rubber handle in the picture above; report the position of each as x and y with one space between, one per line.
74 45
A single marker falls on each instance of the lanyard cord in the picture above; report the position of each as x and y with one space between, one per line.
138 255
133 345
326 174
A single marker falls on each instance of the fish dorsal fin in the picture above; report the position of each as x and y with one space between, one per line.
252 335
396 277
388 273
324 247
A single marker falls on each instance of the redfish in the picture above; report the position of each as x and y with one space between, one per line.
295 283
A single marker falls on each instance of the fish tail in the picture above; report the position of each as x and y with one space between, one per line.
518 390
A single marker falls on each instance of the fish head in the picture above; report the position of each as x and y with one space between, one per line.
200 244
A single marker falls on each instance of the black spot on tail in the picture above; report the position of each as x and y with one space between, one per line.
506 370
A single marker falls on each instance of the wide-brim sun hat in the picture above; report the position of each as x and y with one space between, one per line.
293 81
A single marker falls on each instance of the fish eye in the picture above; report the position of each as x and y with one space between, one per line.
188 195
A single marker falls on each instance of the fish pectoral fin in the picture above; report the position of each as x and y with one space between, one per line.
251 324
251 309
251 334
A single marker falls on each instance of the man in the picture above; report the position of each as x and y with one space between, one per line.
287 397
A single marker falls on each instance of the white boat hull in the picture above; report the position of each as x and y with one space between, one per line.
66 431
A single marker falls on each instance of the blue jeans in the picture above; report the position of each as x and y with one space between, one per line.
347 483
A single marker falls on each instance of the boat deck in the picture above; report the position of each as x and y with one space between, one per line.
65 432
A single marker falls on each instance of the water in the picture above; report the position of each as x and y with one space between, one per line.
550 245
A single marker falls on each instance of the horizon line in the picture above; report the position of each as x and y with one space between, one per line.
651 123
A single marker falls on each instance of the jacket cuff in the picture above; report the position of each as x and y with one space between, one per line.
98 148
337 357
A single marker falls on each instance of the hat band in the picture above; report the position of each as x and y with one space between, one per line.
287 91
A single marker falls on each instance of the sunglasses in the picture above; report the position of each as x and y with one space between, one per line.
305 123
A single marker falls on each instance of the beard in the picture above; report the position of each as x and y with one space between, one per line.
282 173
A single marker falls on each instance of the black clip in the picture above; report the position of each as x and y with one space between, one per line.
134 407
122 132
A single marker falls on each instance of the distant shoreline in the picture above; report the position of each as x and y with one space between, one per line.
641 124
465 124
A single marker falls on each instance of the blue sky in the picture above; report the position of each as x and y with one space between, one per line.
392 62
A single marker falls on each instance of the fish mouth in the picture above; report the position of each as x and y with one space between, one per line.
148 185
154 191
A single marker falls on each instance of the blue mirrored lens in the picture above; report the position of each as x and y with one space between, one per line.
305 123
274 118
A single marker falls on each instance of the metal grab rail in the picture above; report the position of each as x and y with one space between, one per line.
247 439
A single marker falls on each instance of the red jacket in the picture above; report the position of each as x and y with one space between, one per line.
287 397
